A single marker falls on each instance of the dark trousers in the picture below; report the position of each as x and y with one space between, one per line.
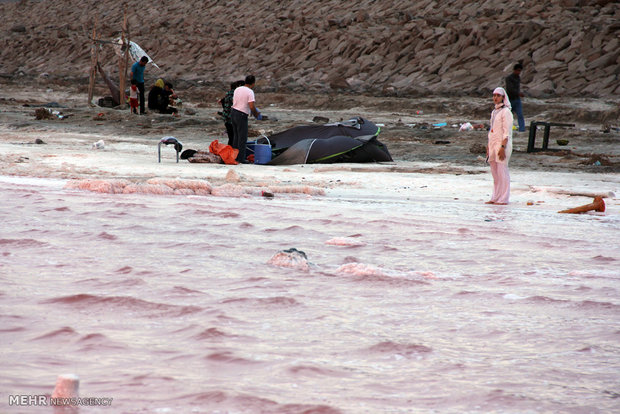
140 86
231 133
240 129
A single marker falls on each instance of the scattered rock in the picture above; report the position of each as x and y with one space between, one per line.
320 120
39 141
42 113
291 258
98 145
597 159
106 102
390 47
339 83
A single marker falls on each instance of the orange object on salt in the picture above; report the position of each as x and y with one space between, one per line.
598 204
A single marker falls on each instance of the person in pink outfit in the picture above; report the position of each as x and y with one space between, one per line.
499 147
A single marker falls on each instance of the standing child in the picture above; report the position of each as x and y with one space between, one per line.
133 97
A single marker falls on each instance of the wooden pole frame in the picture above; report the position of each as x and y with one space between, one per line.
94 59
123 60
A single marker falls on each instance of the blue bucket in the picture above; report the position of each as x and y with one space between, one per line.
249 147
262 152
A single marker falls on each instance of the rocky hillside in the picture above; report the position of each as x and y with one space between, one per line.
392 47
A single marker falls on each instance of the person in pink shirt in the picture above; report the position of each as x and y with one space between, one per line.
242 106
499 147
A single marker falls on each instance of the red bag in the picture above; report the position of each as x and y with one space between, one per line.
226 152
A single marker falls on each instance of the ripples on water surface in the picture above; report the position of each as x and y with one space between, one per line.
167 304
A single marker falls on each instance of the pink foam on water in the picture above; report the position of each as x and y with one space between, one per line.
228 190
426 275
158 189
360 269
99 186
193 185
184 191
162 186
302 189
152 186
345 241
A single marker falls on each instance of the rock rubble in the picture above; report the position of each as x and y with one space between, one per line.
393 47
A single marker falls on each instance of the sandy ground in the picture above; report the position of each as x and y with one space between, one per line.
587 166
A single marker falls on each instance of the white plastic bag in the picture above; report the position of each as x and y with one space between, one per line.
135 52
466 127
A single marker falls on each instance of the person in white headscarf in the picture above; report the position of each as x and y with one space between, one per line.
499 147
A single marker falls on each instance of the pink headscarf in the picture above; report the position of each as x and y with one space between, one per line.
501 91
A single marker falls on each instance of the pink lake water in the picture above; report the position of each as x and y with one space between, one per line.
168 304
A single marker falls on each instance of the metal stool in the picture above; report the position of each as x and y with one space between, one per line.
168 141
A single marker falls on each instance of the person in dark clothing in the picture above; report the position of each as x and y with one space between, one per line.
159 97
513 88
154 97
226 103
137 74
167 99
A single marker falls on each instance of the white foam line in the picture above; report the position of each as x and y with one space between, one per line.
33 181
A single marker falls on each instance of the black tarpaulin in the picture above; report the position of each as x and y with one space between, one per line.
354 140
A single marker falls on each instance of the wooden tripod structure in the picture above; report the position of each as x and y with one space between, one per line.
94 58
122 60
